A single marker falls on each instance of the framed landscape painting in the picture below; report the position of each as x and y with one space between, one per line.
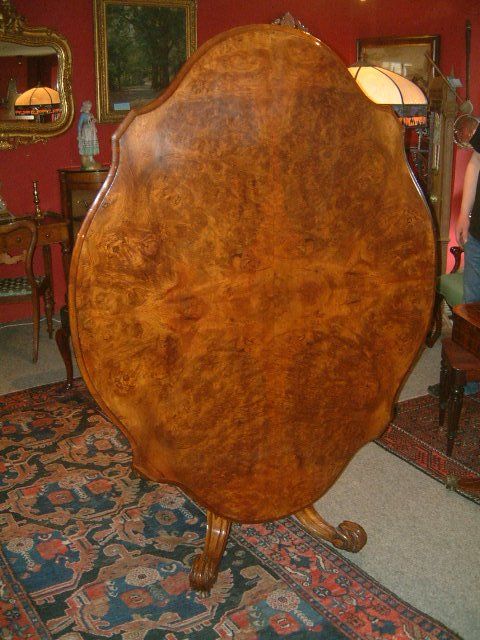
139 47
405 56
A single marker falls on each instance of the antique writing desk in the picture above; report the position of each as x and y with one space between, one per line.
249 328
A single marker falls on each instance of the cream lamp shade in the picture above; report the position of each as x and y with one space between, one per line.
383 86
38 101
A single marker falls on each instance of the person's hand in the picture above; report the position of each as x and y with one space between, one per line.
461 230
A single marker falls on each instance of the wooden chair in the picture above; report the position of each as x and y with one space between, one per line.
458 366
14 237
450 290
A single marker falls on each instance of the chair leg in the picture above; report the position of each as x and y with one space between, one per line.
36 324
455 402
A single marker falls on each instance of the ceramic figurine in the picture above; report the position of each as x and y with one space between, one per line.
87 137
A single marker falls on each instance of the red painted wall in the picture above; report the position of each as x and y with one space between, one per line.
336 22
13 68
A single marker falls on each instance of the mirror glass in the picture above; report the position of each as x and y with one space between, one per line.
23 67
35 81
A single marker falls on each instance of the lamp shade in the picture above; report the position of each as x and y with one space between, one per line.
37 101
383 86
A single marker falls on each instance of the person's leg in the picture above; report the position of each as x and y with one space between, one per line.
471 286
471 271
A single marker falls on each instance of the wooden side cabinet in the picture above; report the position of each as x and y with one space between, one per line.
78 189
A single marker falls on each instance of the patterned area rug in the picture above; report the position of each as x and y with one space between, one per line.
90 551
414 436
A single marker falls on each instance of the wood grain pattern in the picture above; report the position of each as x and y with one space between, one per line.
256 277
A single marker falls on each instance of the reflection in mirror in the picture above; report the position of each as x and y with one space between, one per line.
35 81
29 70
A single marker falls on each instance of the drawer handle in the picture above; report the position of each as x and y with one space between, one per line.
85 203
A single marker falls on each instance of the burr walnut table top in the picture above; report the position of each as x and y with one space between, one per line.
256 277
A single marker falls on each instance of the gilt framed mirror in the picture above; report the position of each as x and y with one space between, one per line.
36 99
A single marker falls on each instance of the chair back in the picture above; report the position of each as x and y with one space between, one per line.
23 235
22 227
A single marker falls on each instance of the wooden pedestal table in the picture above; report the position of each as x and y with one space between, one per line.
249 326
78 189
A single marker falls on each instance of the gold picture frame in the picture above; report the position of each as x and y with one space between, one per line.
403 55
139 47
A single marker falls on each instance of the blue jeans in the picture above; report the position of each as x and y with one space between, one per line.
471 270
471 285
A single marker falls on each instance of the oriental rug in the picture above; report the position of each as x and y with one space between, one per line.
89 551
414 435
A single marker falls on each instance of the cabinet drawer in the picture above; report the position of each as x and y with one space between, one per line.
47 234
52 233
79 189
81 202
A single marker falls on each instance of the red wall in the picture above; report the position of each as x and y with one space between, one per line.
11 67
336 22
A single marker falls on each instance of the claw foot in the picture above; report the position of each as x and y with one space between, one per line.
204 571
203 574
348 536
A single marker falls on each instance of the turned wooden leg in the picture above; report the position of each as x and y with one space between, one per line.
36 325
204 570
444 390
455 402
349 536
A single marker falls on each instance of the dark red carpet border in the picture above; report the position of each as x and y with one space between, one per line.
88 550
414 436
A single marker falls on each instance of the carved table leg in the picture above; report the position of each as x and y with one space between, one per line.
62 338
205 566
349 536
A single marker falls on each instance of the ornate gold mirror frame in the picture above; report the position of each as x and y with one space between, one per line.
14 30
